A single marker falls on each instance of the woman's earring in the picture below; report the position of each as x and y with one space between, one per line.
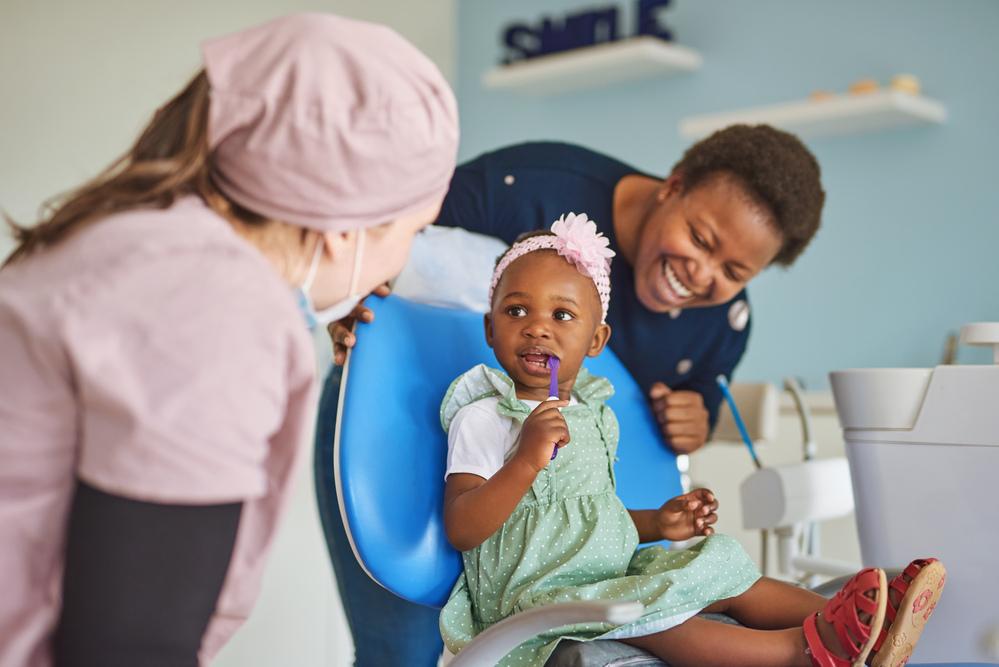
661 196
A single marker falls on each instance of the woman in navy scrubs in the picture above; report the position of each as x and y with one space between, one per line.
687 245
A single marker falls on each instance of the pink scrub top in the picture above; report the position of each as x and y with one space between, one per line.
155 355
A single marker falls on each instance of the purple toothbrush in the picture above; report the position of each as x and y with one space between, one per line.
553 389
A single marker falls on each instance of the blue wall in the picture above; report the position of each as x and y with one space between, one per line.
910 237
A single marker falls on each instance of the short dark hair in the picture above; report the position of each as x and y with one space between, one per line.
776 171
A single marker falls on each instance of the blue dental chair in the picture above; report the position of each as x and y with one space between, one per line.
391 390
388 413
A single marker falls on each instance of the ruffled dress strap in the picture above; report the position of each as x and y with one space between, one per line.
478 383
592 390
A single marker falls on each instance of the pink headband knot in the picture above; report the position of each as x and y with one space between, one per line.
575 238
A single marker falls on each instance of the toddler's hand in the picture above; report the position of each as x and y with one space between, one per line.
544 429
689 515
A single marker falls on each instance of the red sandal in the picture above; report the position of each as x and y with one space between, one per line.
904 624
843 612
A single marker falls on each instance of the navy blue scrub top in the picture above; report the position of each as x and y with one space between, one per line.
526 187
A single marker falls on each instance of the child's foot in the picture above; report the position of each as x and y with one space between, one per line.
912 597
844 632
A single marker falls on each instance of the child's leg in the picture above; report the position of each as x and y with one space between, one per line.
703 643
770 604
707 643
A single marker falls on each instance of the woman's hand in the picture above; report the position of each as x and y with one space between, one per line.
687 516
342 331
544 429
682 417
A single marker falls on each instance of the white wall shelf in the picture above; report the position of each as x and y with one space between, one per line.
590 67
838 115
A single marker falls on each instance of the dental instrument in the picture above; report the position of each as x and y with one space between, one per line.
553 389
723 385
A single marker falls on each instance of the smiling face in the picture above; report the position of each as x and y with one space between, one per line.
544 306
700 248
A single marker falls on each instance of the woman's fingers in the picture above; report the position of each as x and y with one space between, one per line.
344 335
681 415
686 406
341 332
684 421
343 338
685 444
684 399
673 428
687 414
361 313
658 391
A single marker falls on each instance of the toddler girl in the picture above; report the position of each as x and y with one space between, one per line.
537 528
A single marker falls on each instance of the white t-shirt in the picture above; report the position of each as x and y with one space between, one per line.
481 440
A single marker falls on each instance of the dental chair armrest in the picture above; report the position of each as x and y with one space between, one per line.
490 646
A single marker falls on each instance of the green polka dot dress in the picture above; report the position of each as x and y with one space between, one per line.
571 539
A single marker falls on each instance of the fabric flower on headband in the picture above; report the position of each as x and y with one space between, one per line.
579 242
575 238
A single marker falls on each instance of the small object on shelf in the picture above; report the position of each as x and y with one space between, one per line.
950 350
841 114
906 83
863 86
821 95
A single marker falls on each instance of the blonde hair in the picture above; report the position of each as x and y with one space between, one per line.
170 159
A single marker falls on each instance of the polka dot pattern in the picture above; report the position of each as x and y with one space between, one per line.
571 539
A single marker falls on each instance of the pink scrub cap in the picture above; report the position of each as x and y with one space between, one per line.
328 123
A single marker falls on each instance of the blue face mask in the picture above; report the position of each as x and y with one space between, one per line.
341 308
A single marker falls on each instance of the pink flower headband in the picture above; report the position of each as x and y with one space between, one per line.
577 240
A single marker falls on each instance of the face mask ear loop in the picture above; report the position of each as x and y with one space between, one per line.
314 266
355 276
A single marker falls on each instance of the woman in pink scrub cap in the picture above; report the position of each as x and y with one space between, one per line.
157 372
